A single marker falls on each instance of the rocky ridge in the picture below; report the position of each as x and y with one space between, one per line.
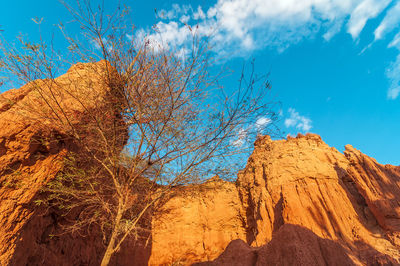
296 196
33 145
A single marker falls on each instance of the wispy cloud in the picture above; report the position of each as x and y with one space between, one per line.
255 24
396 41
364 11
262 123
239 27
393 73
389 23
243 135
97 44
175 12
241 138
168 35
298 121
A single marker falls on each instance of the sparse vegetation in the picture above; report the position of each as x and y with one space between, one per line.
162 121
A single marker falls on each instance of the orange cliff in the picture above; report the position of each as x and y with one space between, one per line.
33 145
297 202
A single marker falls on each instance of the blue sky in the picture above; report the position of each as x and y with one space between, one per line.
334 64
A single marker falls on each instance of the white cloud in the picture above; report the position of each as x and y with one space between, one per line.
334 29
97 44
168 35
199 14
184 19
363 12
394 92
174 12
395 42
243 134
262 123
393 73
239 27
242 137
389 23
296 120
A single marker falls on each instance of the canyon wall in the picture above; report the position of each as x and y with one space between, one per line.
297 202
33 145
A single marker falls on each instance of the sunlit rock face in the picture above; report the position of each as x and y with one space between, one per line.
198 224
33 145
297 202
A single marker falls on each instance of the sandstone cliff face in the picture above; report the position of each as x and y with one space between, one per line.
297 202
33 144
305 182
291 245
198 224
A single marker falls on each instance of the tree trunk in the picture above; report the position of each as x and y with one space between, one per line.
111 244
109 251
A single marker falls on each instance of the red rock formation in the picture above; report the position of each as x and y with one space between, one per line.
297 202
343 204
198 224
291 245
379 185
33 144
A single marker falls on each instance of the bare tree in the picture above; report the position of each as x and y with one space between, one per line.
162 120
